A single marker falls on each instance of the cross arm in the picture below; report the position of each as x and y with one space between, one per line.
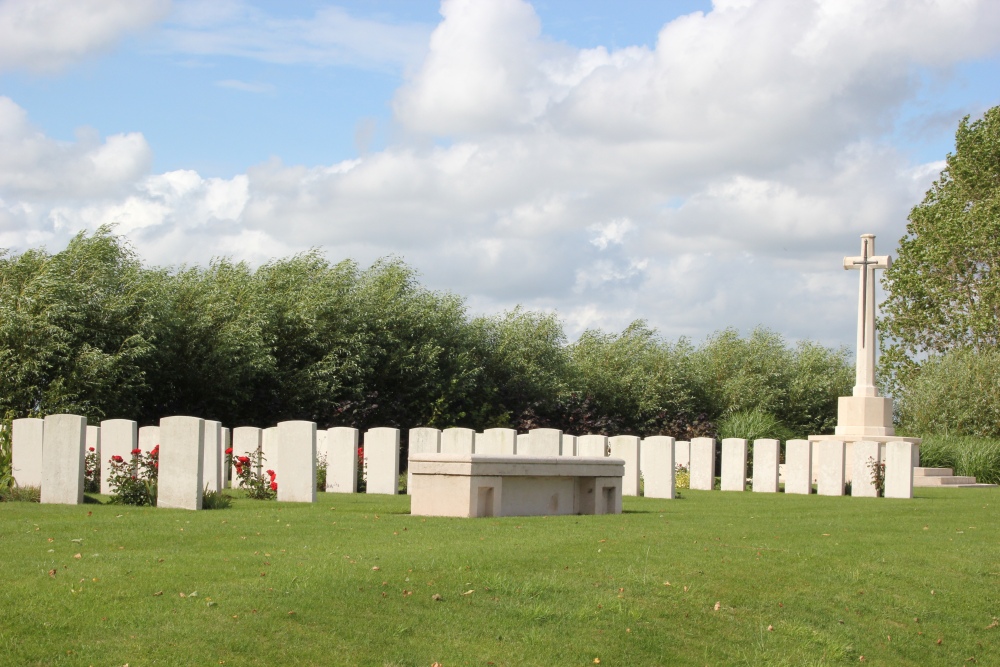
875 261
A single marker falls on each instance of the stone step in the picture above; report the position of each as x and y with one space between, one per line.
943 480
975 486
933 472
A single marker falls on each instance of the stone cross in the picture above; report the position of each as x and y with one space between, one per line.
867 263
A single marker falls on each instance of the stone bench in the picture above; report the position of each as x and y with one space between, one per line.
473 485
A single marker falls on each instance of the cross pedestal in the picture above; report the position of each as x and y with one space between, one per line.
865 416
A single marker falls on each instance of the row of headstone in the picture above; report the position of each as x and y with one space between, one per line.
698 455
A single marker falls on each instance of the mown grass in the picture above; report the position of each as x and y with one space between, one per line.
350 580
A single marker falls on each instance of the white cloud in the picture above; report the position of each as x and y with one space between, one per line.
47 35
331 36
715 179
246 86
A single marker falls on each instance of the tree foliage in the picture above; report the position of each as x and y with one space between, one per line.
89 330
944 285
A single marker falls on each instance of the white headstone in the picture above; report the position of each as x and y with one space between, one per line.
246 442
703 464
542 442
734 464
898 469
182 449
831 468
522 446
382 460
149 438
118 438
626 447
798 467
862 483
657 457
497 442
766 453
297 459
458 441
321 445
27 440
592 446
341 460
422 440
569 445
63 451
682 454
269 450
227 442
212 465
94 441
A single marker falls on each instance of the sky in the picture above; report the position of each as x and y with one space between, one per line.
695 164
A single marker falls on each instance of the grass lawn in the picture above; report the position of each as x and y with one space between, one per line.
711 579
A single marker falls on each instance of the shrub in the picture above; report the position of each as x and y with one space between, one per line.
21 494
259 484
92 472
976 457
753 424
133 482
215 500
957 393
321 472
682 478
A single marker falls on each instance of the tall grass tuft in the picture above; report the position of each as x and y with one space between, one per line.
753 424
966 455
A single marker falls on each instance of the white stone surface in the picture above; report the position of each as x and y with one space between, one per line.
521 446
703 464
656 454
476 485
734 464
269 451
63 447
149 438
798 467
766 453
682 454
898 469
246 442
93 439
227 442
296 456
382 460
497 442
27 442
831 468
569 445
626 447
212 465
118 438
342 460
458 441
541 442
862 484
179 483
321 445
423 440
592 445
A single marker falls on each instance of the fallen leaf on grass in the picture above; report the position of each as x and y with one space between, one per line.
51 540
770 628
78 556
939 641
597 661
182 595
52 573
718 606
157 593
666 583
436 597
376 568
992 625
291 613
469 592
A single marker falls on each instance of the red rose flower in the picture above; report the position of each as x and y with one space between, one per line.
274 486
244 459
229 451
92 449
116 458
136 451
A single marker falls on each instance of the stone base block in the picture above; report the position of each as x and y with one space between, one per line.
478 485
864 416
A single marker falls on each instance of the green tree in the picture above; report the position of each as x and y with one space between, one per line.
944 285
